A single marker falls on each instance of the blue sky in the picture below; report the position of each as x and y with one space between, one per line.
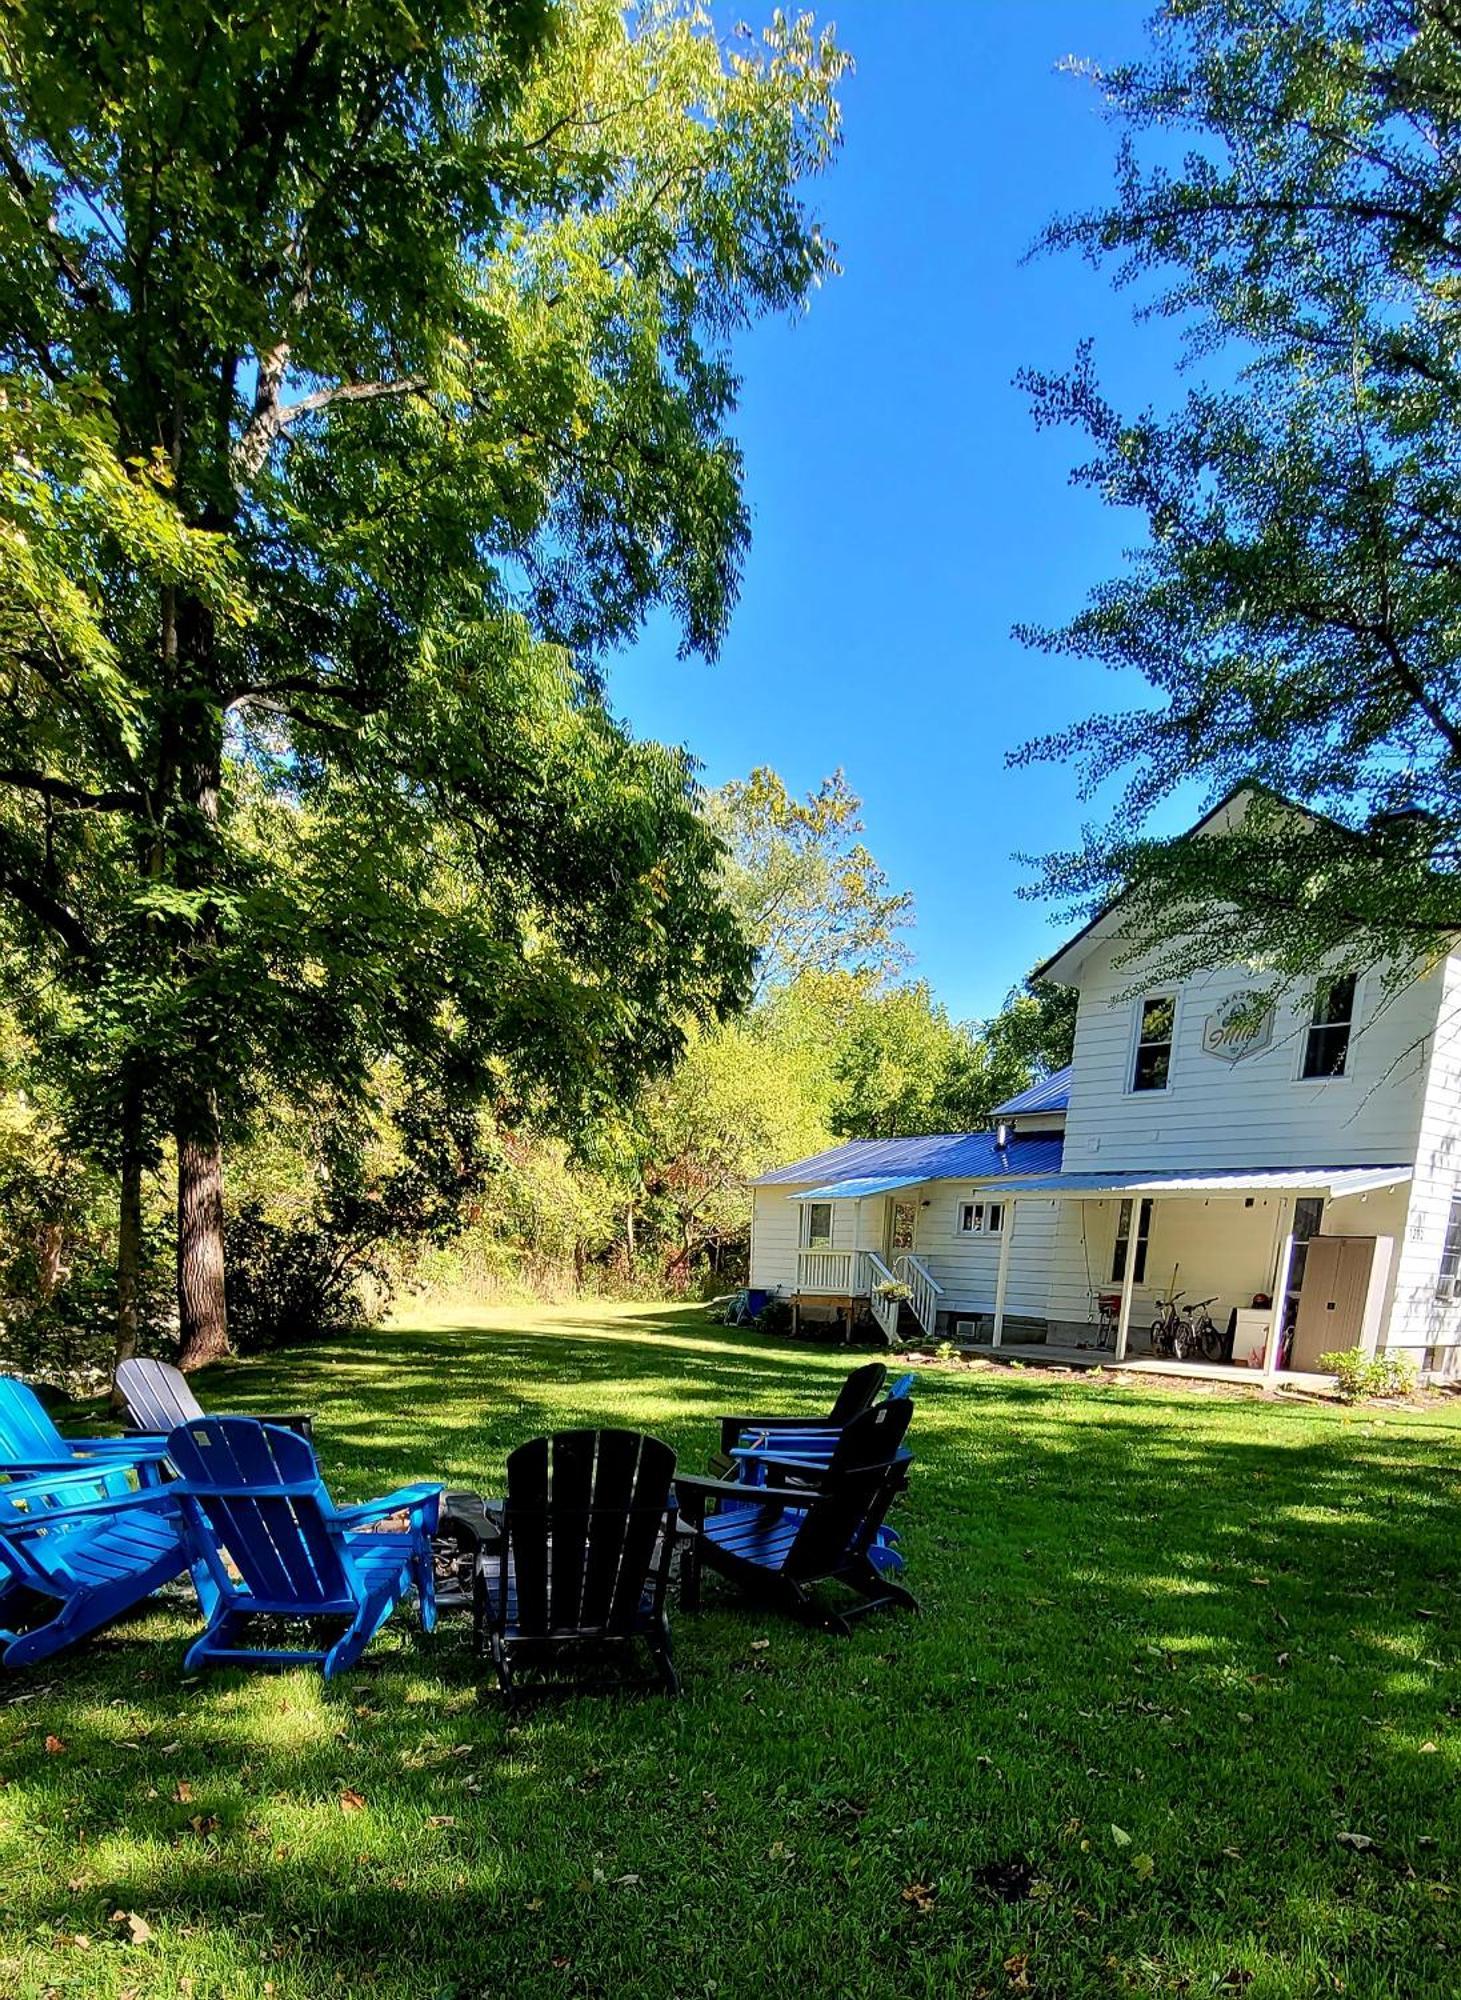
905 512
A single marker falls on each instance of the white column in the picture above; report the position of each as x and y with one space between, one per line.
1128 1276
1001 1283
1280 1289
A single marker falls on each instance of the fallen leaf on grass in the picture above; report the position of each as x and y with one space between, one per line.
138 1928
203 1824
1017 1966
1121 1837
1429 1749
56 1746
920 1896
351 1800
760 1645
184 1792
442 1819
1142 1865
1358 1841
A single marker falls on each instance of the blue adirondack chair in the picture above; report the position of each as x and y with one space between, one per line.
75 1554
259 1516
30 1442
811 1442
795 1537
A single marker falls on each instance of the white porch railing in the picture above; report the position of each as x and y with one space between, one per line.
924 1290
827 1271
885 1310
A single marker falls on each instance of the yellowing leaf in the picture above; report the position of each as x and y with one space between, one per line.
1142 1865
1121 1837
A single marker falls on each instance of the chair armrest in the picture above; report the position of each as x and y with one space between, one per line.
138 1444
731 1427
814 1467
158 1497
407 1499
695 1491
81 1468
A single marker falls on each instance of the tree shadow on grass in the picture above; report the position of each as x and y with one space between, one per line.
1225 1630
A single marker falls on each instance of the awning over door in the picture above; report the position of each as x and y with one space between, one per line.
1331 1181
863 1190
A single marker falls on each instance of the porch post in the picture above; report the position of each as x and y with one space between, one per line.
1001 1283
1280 1289
1128 1276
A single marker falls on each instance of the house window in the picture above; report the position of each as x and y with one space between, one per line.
819 1225
1153 1062
1123 1243
1449 1284
981 1218
1326 1046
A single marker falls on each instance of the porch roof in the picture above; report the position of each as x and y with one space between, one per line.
939 1156
1331 1181
869 1185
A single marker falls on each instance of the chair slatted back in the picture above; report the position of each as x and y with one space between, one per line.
866 1471
26 1430
583 1513
285 1545
156 1394
857 1393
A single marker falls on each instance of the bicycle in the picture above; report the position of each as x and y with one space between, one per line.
1206 1337
1171 1333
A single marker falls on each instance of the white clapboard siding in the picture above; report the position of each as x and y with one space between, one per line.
967 1266
1254 1113
1419 1319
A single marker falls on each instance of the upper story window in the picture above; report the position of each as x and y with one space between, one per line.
1153 1061
1448 1285
981 1218
1326 1046
819 1225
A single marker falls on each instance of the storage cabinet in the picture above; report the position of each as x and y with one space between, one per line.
1343 1297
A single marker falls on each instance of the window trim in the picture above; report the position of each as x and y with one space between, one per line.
1139 1207
1448 1283
1308 1024
1144 1000
809 1208
980 1211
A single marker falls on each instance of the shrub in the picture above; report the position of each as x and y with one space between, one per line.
1359 1375
299 1280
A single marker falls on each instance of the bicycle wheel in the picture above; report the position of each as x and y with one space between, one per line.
1210 1341
1184 1342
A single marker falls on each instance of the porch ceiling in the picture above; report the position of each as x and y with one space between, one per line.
1331 1181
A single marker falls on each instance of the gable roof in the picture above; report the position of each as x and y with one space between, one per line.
1053 1094
1047 967
939 1156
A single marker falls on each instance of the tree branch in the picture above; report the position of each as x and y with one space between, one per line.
272 418
61 792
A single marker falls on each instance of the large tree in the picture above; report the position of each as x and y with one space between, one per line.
370 379
1295 605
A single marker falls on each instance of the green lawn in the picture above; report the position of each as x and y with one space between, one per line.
1172 1647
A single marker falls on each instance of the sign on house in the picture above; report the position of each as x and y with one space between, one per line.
1240 1027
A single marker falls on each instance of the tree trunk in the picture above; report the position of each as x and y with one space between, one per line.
202 1310
129 1240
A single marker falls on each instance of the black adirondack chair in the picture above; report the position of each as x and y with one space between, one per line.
159 1397
781 1540
857 1394
588 1526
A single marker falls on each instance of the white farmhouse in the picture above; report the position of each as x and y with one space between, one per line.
1308 1155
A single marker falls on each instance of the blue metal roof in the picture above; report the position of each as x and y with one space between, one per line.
944 1156
865 1189
1051 1095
